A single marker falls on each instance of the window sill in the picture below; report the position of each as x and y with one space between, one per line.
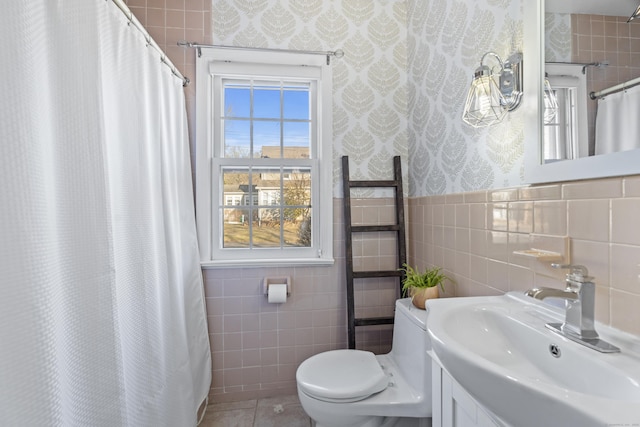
243 263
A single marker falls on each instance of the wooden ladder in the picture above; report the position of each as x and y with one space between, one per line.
398 228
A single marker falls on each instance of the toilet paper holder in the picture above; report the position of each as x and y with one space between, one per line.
276 281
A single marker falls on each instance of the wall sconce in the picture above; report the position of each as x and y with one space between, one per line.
489 101
550 102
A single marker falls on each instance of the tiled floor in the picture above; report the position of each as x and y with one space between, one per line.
283 411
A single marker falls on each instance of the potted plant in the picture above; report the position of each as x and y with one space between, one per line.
422 286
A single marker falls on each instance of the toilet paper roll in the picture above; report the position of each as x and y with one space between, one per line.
277 293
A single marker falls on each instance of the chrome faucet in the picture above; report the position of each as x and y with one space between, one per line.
542 293
579 293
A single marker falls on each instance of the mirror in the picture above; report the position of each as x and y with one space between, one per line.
571 133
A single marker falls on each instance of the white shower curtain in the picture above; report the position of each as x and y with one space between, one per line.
102 319
617 124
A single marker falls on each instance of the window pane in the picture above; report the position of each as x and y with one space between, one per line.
237 101
297 231
237 139
296 140
297 187
297 207
236 180
266 102
266 139
235 185
267 232
267 184
296 104
236 214
235 228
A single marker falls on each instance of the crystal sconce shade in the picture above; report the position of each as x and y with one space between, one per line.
494 93
484 101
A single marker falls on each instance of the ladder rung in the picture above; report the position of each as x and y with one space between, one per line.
374 184
368 228
372 274
368 321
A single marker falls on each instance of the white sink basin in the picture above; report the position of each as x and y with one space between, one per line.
500 351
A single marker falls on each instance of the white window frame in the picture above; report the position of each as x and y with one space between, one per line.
212 62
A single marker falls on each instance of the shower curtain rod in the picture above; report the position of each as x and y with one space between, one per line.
585 65
617 88
329 53
150 42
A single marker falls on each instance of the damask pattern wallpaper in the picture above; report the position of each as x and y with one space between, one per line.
557 37
446 40
370 81
402 83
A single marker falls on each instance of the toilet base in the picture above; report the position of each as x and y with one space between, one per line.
391 422
337 418
374 422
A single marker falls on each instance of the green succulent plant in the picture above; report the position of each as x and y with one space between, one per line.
430 278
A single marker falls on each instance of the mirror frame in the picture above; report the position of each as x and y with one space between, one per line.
607 165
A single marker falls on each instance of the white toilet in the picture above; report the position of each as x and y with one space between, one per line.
343 388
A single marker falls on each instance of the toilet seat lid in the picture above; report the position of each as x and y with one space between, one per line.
341 375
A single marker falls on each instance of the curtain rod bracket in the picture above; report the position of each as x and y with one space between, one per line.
339 53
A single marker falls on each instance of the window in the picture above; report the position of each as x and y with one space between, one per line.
263 158
566 136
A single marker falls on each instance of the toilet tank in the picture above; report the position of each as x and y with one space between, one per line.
410 344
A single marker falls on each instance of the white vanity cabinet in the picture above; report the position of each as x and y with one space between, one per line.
452 405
